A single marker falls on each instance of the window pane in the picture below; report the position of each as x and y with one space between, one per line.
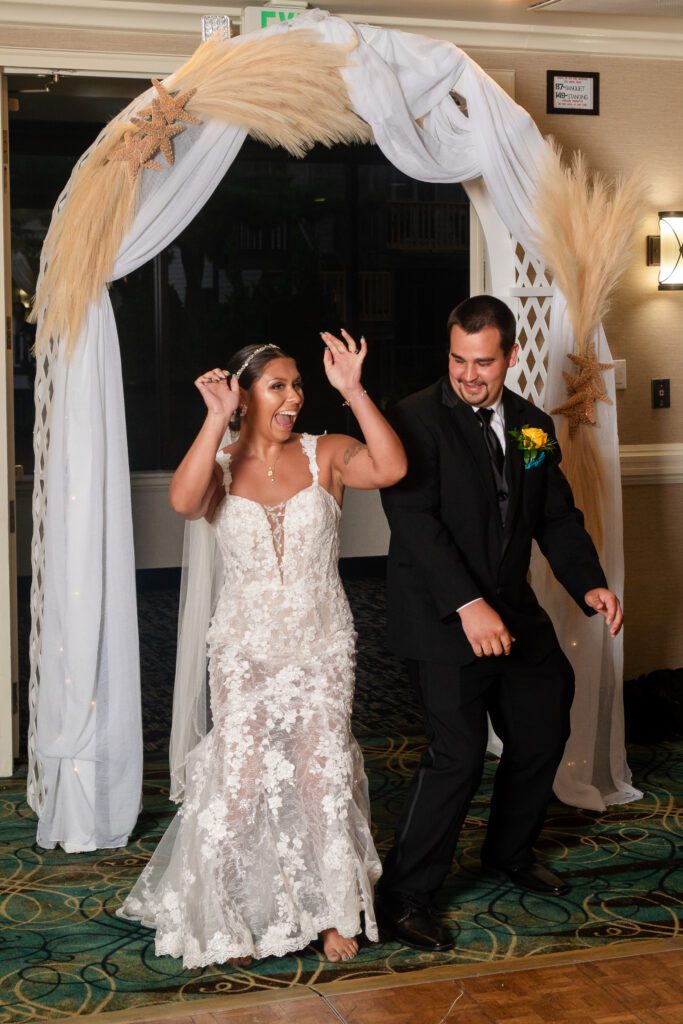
285 249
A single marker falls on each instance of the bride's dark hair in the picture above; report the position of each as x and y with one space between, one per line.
256 358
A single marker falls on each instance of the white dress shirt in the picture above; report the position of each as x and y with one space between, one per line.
497 420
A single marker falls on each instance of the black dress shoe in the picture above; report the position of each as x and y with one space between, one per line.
533 878
413 924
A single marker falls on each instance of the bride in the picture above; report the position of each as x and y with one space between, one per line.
272 846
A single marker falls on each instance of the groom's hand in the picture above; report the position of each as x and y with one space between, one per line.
605 603
485 630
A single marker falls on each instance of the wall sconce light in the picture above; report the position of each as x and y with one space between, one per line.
665 250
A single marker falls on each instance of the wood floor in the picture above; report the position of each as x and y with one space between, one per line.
642 989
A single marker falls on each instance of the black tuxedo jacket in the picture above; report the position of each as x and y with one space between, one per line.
448 545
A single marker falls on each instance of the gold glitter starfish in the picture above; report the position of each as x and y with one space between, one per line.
585 389
172 107
136 152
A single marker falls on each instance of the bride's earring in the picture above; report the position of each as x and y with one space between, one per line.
243 411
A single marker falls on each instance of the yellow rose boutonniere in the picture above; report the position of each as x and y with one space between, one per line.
533 443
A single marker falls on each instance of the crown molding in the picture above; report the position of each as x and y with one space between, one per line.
147 38
102 63
170 31
542 38
166 19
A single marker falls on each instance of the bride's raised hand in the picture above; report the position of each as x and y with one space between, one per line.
343 361
220 391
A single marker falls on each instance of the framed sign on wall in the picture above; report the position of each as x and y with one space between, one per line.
573 92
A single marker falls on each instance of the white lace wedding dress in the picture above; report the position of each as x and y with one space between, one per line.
272 844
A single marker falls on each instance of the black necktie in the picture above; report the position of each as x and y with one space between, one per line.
497 456
492 443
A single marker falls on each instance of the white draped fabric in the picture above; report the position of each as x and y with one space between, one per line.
88 744
594 772
89 737
89 708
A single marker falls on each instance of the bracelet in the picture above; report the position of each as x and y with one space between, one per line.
361 395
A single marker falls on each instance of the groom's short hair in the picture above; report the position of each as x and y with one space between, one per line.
480 311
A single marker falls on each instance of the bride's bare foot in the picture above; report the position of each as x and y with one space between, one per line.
336 947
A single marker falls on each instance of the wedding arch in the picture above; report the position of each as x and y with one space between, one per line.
315 79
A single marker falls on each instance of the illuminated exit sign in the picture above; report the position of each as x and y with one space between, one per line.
254 18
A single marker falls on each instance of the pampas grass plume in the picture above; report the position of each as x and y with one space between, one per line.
286 90
587 230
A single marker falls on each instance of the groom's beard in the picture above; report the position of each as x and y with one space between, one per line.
479 396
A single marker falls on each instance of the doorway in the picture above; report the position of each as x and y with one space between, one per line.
283 249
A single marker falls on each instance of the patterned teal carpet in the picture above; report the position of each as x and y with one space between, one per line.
63 951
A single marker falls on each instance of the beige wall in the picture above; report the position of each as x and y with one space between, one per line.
654 578
640 124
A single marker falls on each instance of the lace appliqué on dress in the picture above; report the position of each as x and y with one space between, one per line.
275 514
272 844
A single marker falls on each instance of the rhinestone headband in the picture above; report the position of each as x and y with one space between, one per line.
245 364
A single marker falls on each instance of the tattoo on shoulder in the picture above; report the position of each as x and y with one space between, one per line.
353 450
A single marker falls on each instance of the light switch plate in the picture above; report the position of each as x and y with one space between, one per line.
661 393
620 374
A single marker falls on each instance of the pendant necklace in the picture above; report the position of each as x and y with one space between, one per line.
270 468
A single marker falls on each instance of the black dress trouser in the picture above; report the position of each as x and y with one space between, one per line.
529 705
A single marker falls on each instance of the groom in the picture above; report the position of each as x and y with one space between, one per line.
461 611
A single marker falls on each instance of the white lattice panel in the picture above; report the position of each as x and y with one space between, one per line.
530 273
533 299
41 440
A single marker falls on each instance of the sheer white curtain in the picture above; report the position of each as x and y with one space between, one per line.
594 772
88 744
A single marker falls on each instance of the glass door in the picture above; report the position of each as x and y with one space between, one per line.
9 673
